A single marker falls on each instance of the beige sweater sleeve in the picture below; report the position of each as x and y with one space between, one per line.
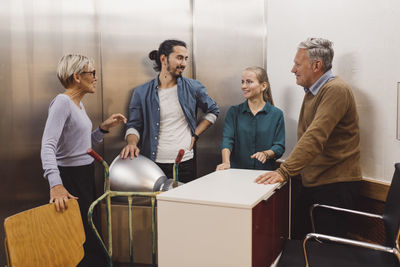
331 105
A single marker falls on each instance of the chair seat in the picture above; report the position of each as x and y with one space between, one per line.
329 254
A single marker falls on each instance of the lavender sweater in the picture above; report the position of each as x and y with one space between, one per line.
66 138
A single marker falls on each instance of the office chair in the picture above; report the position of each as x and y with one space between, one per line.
312 251
44 237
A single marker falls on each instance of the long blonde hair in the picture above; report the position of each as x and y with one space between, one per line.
262 76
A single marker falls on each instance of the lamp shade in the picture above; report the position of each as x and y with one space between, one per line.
139 174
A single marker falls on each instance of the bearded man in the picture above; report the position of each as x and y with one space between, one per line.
162 113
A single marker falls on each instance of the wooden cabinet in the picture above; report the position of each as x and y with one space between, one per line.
222 219
270 227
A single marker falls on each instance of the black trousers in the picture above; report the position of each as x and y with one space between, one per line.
344 195
186 170
79 181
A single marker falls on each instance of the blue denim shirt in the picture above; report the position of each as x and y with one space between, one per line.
144 110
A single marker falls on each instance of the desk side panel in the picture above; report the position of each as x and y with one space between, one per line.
270 227
201 235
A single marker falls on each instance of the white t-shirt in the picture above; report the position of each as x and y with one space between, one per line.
174 132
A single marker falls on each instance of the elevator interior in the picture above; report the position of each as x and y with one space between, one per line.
223 37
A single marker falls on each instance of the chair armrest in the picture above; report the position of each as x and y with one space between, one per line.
347 242
371 215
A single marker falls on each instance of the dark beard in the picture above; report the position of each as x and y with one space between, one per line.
173 74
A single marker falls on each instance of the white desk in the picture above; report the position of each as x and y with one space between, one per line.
219 220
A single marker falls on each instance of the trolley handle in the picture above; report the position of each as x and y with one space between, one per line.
179 156
96 156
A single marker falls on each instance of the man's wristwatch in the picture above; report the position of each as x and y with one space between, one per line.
196 137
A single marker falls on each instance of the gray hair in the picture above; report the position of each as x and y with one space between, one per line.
70 64
319 49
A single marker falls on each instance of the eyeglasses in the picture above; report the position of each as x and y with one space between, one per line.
91 72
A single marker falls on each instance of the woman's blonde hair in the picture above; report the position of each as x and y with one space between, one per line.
70 64
262 77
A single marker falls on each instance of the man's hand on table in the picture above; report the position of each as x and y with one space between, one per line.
269 178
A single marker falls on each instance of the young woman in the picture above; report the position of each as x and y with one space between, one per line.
66 138
254 131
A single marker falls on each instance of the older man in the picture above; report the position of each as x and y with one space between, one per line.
327 154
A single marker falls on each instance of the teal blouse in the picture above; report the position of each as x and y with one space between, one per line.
245 134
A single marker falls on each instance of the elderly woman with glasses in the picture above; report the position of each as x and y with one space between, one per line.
254 131
67 136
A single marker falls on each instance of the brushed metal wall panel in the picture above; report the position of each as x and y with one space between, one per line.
37 34
34 35
228 37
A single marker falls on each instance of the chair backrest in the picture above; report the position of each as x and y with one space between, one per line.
391 212
44 237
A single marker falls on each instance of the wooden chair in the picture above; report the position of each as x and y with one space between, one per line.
44 237
346 252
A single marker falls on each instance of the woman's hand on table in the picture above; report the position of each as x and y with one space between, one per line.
223 166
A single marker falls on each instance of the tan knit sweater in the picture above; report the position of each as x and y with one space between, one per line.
328 147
